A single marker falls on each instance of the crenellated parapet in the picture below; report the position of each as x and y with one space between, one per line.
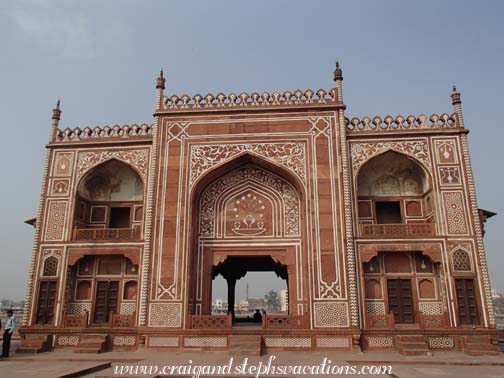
400 123
103 132
307 98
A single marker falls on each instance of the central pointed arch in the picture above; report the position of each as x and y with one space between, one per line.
255 206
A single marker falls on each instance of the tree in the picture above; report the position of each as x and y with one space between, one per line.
272 301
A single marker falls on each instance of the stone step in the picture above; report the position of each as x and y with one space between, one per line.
414 352
92 343
245 345
29 349
91 338
486 346
88 350
35 343
480 345
476 339
412 345
482 353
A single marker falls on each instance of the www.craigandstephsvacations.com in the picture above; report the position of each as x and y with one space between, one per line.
259 369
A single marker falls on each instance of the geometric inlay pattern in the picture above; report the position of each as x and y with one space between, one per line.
68 340
333 342
122 341
380 342
431 308
455 216
128 308
165 315
55 220
288 342
78 308
217 341
50 267
161 341
441 342
375 308
461 261
330 314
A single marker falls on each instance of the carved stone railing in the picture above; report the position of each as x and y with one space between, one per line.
380 321
121 321
411 230
400 123
106 234
75 321
104 132
211 321
282 321
432 321
266 99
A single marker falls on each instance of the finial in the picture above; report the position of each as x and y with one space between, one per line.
338 73
57 111
161 80
455 96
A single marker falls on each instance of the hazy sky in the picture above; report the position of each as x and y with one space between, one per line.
102 57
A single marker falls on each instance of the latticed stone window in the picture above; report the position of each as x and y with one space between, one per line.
461 261
50 267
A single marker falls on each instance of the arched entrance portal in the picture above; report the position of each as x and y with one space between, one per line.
247 217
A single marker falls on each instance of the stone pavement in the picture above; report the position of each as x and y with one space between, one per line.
65 363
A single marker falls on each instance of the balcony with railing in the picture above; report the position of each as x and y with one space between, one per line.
397 231
107 234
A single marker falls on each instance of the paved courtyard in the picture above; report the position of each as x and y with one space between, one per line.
65 363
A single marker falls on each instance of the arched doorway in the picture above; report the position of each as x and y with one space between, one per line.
247 217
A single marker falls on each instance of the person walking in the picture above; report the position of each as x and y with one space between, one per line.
9 328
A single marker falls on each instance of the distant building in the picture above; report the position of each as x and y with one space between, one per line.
220 306
284 301
256 304
242 306
497 294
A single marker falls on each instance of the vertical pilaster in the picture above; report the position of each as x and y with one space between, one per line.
488 310
31 282
348 204
147 250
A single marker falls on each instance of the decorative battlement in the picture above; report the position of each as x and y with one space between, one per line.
400 123
105 132
238 102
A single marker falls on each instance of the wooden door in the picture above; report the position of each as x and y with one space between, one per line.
400 300
466 300
46 299
105 300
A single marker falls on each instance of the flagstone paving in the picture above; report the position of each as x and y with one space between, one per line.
64 363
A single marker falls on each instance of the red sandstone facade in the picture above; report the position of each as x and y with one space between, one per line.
373 222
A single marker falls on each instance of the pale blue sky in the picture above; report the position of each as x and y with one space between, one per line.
102 57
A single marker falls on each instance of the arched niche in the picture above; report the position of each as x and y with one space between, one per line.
392 174
393 188
109 196
111 181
